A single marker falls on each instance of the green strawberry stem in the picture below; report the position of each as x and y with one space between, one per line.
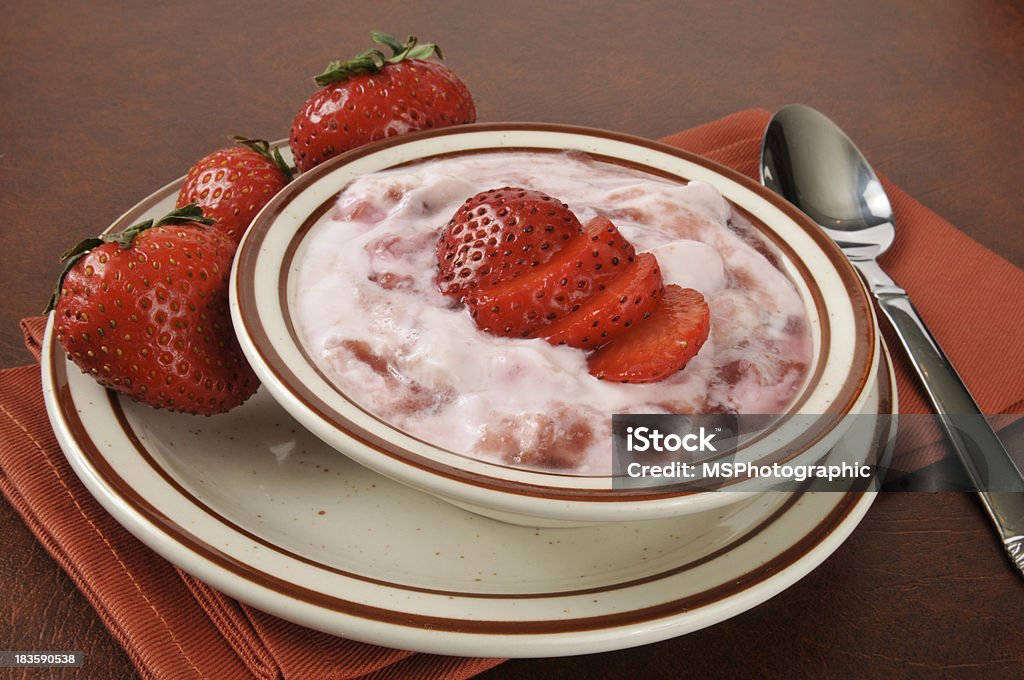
262 147
374 60
189 214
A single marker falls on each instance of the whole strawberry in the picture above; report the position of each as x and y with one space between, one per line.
371 97
232 185
145 312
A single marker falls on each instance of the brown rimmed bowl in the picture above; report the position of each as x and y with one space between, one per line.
845 338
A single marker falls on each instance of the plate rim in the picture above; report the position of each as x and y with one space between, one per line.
829 532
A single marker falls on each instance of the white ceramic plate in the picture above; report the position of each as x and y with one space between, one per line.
254 505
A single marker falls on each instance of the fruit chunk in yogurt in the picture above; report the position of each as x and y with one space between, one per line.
368 310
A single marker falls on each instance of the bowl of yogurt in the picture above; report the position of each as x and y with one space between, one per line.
335 302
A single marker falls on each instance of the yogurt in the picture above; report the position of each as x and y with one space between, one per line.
368 312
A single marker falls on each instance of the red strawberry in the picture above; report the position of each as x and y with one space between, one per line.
659 346
524 267
232 185
371 97
628 300
499 235
583 266
145 312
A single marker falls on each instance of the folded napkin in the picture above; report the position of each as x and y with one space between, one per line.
173 626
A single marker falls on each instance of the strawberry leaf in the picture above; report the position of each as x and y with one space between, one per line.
387 40
425 52
189 214
372 61
262 147
69 258
369 61
81 248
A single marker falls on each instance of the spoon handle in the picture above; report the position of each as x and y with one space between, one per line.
998 480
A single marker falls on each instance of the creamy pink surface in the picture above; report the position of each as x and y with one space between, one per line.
368 312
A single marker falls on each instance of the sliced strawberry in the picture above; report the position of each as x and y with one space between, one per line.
583 267
525 268
625 301
498 235
659 346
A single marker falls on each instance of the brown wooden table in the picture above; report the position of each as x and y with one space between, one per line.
101 105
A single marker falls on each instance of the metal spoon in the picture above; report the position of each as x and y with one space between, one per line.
808 160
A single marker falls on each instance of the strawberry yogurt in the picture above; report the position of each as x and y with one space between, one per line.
367 309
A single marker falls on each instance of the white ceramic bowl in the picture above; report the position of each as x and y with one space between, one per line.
845 338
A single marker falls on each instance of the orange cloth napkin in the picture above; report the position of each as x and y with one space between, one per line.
174 626
171 624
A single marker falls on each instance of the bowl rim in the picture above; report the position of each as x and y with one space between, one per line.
473 483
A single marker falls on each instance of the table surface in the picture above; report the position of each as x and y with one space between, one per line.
102 104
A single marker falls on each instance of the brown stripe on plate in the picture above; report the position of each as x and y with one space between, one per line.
125 490
150 514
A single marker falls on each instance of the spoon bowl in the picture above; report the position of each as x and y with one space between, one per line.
808 160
